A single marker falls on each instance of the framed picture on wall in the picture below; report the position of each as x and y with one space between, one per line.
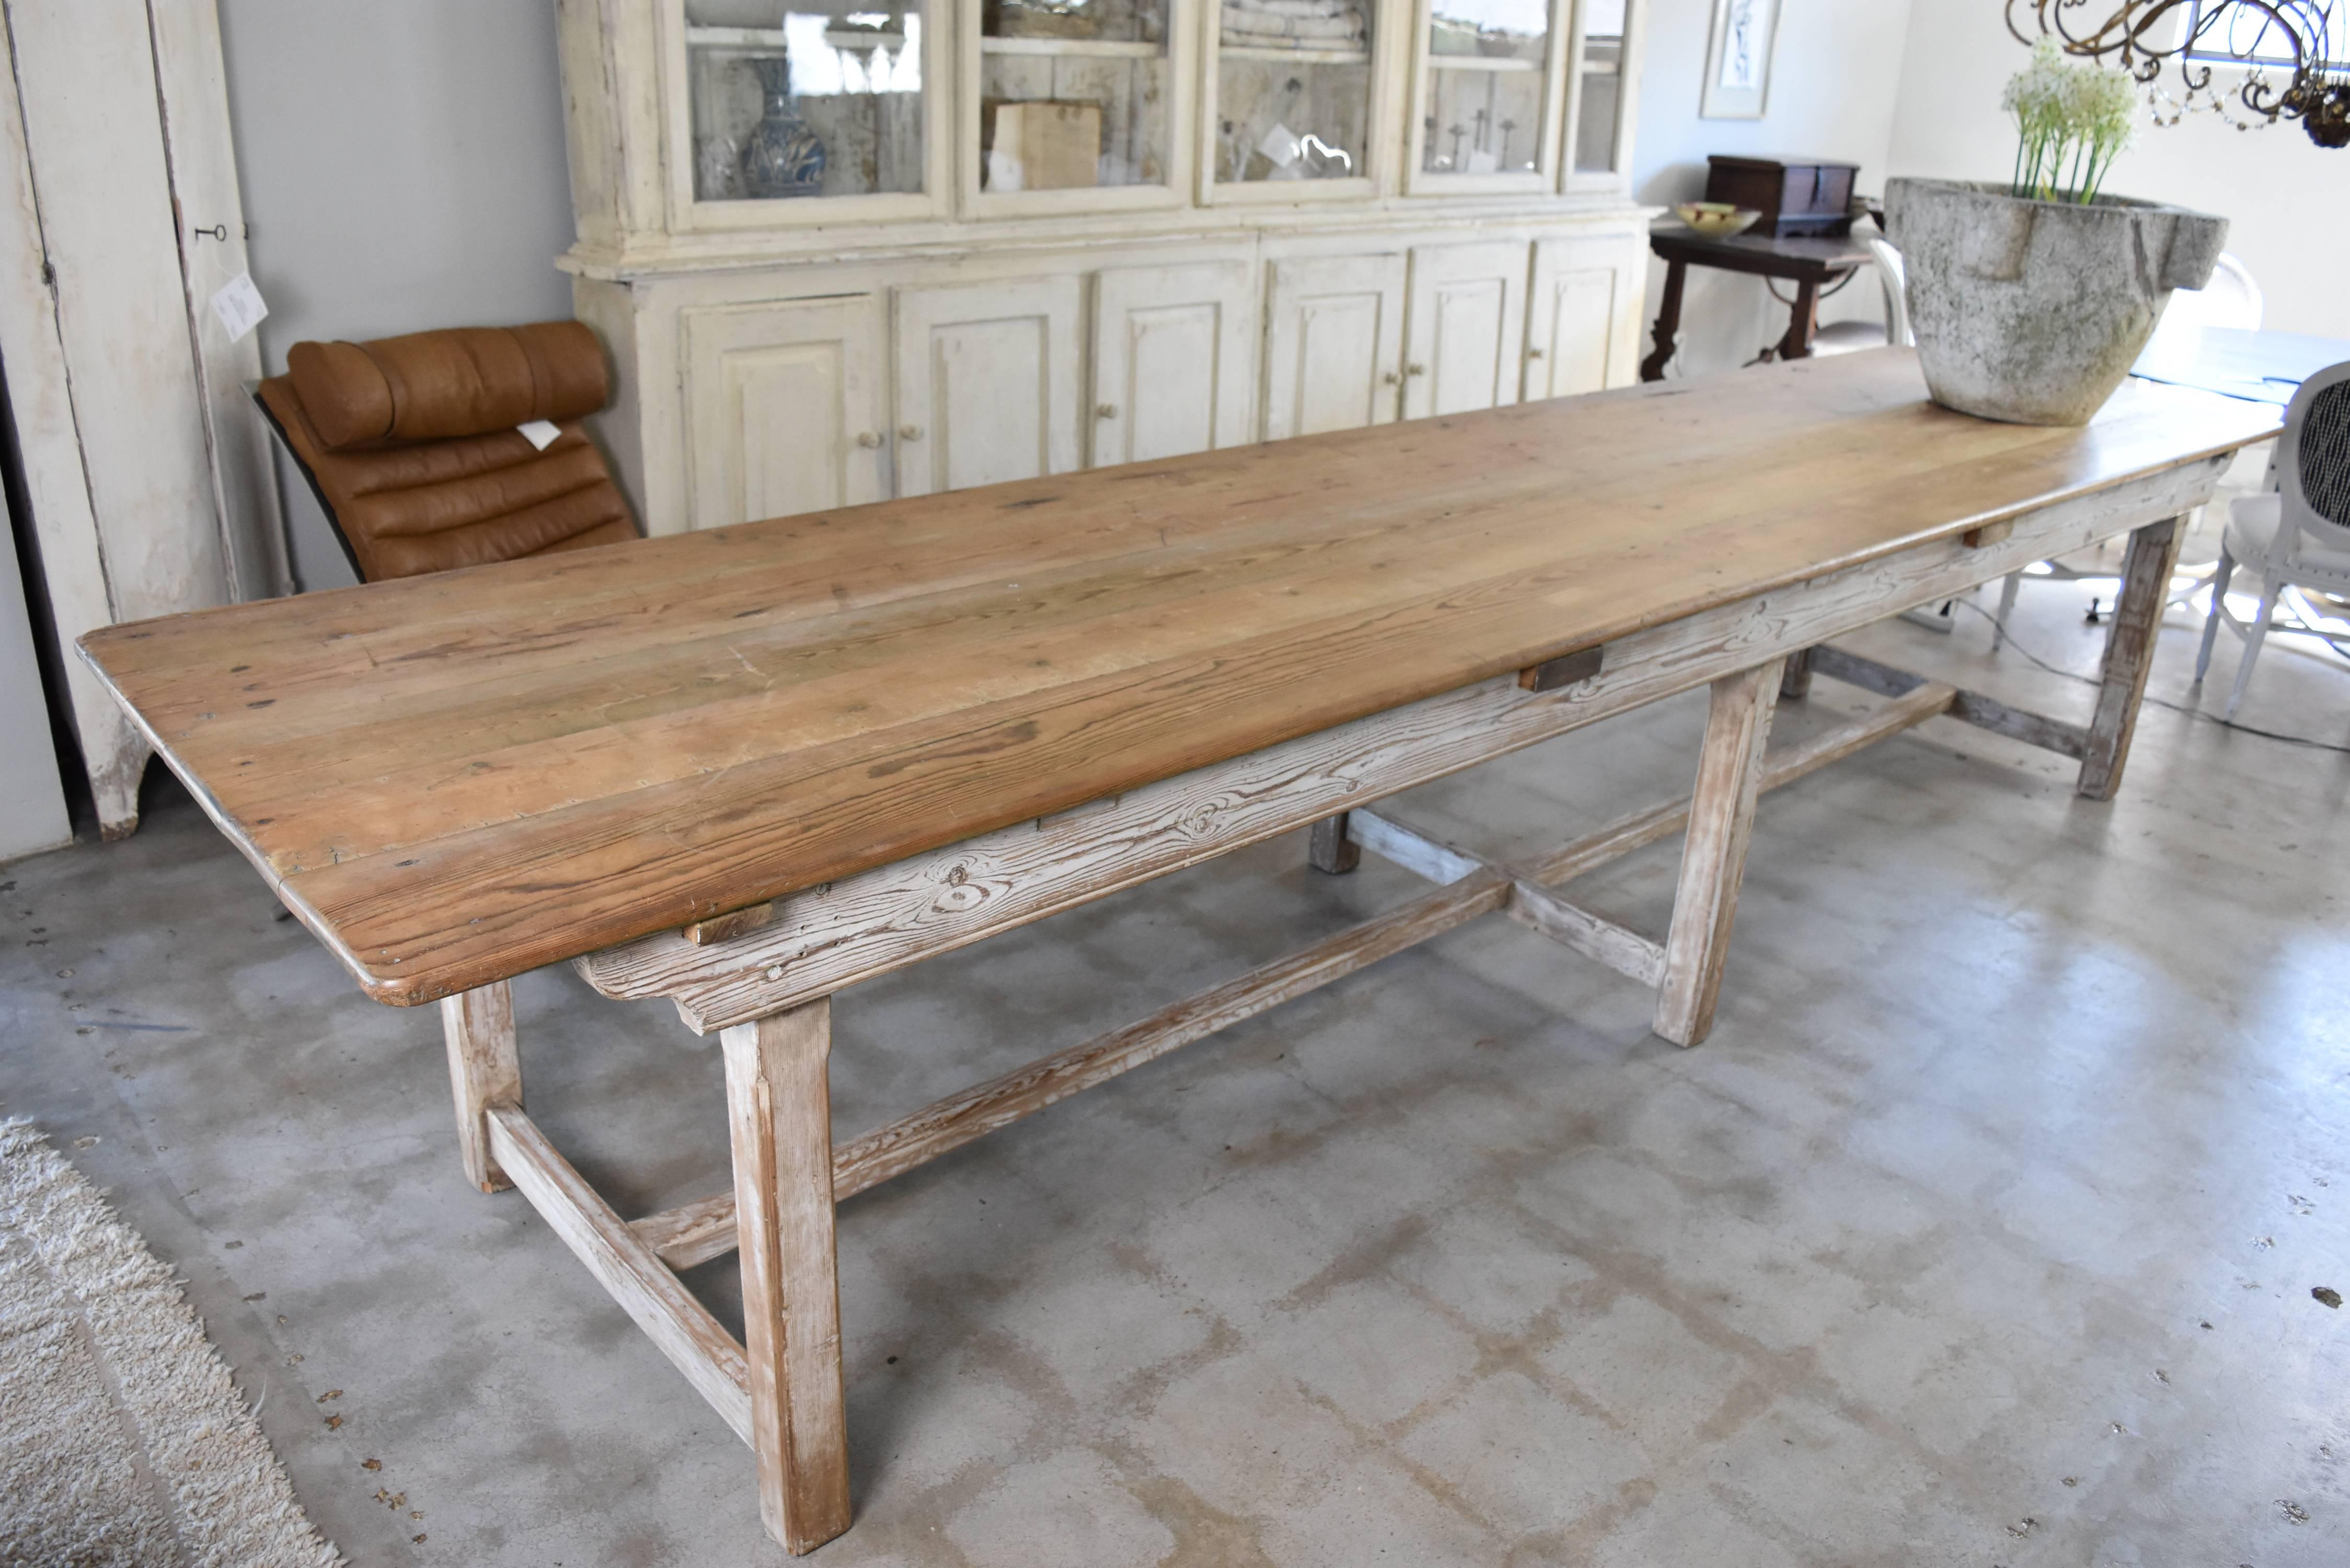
1737 60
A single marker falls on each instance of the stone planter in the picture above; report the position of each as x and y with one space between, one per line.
2032 311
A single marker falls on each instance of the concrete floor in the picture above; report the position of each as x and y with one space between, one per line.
1983 1231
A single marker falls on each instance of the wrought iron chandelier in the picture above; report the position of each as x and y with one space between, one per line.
2306 41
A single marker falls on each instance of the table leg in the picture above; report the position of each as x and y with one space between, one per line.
1795 682
1329 849
2129 654
779 1112
485 1071
1714 859
1669 322
1803 320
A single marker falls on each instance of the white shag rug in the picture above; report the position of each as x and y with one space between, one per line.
122 1440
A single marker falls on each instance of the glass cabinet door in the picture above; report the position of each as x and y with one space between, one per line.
1293 107
1488 95
1077 103
1598 129
806 101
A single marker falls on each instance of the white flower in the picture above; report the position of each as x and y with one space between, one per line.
2073 119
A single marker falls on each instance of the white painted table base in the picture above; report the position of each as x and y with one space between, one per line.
767 984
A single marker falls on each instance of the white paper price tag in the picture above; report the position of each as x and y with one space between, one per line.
239 306
1280 146
538 432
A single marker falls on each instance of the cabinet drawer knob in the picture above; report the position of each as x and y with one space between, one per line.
1391 379
1415 369
910 433
867 440
1105 411
1533 353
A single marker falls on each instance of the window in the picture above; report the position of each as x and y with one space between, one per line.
2221 32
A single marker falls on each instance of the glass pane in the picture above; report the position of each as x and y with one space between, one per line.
1293 90
1073 93
1596 120
1483 114
805 98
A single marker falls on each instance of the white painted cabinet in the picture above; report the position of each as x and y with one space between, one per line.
988 383
1465 332
1334 343
787 407
1173 362
1582 317
1049 241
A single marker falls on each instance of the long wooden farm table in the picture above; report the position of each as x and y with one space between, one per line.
745 768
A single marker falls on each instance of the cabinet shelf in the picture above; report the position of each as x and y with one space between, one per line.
734 37
1481 63
773 40
1074 48
1295 56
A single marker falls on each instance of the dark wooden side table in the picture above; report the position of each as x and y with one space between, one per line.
1808 261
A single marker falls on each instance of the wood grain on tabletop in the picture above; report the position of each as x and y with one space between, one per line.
455 778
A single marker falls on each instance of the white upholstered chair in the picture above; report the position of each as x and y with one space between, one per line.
1847 336
2297 536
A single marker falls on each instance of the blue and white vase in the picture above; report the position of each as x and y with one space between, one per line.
781 157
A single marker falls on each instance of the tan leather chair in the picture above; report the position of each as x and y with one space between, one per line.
410 444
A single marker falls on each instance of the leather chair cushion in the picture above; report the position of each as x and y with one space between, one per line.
406 508
459 381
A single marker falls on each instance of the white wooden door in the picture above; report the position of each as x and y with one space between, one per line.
192 83
1173 360
987 383
1334 344
785 408
1582 317
143 466
1466 331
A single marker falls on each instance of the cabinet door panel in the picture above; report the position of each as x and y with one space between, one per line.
783 409
987 384
1171 361
1334 347
1466 335
1583 321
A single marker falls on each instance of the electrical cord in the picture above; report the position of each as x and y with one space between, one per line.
1828 293
2175 707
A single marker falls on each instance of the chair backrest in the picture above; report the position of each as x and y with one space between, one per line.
410 445
2231 299
1895 279
2313 461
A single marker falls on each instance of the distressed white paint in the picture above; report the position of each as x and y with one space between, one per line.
1199 315
1334 344
1465 329
987 384
1174 360
1582 317
789 408
96 334
194 91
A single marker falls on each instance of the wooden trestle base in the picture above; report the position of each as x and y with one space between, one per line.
780 1390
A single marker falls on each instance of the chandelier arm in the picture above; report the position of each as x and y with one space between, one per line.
2125 35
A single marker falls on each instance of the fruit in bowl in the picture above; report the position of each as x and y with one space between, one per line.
1716 220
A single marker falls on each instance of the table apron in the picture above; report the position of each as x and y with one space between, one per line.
822 938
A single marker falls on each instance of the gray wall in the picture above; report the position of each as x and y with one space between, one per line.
403 168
